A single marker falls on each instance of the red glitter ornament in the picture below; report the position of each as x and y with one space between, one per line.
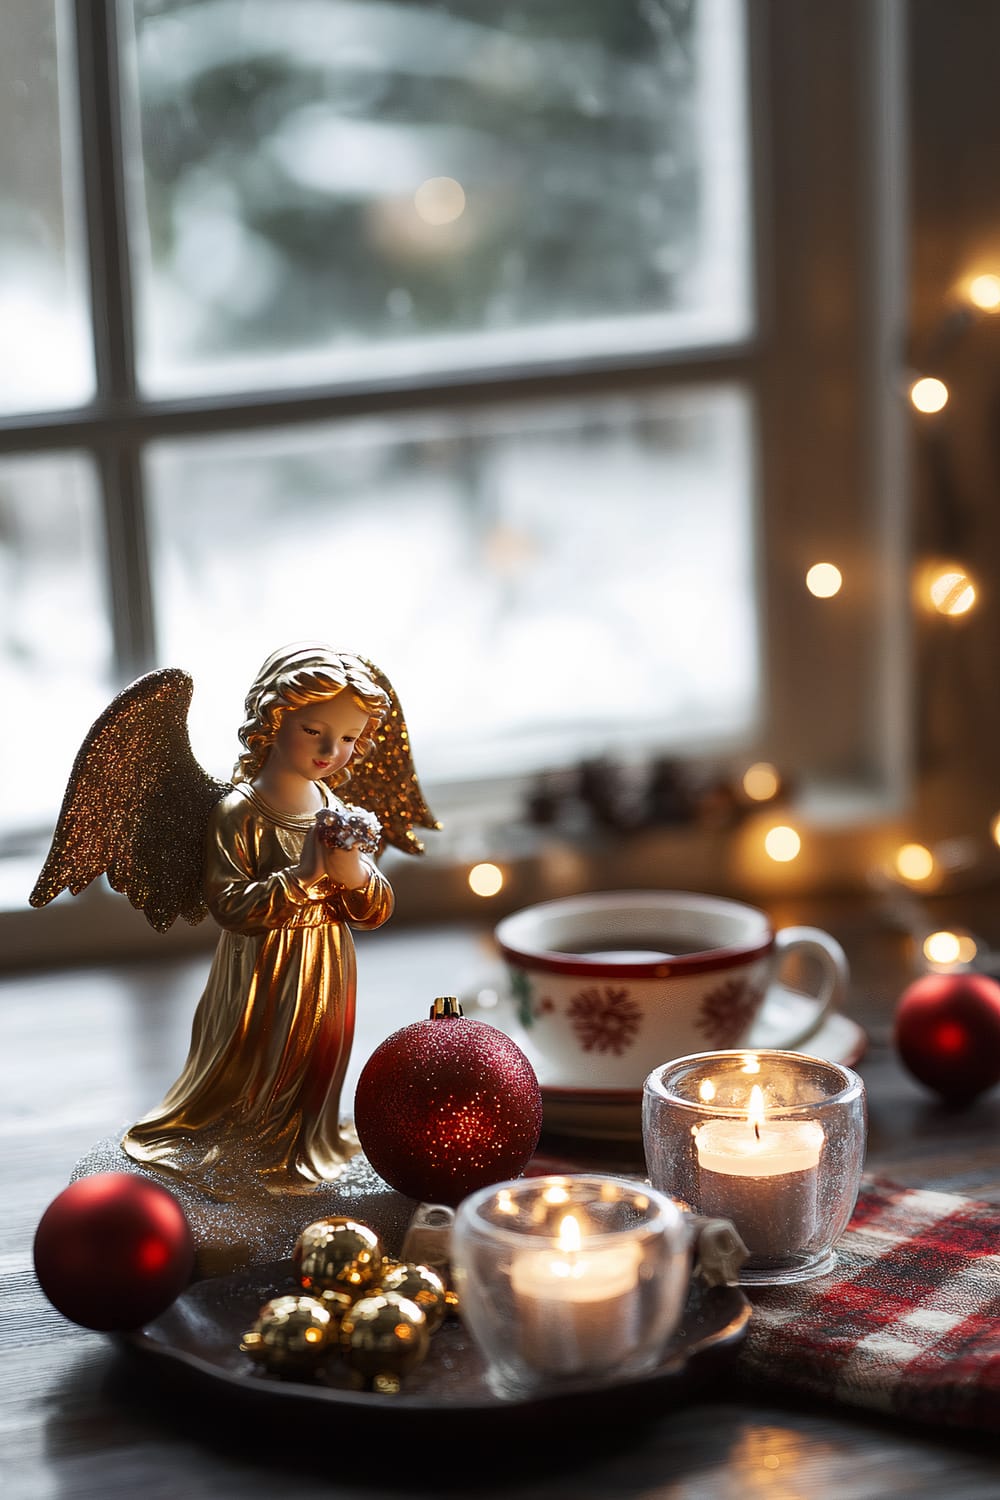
113 1250
947 1032
447 1105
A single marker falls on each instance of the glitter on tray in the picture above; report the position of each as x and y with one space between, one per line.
262 1229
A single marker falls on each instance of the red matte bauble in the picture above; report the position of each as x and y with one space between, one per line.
947 1032
113 1250
445 1106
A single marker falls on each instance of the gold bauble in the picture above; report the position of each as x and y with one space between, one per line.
422 1285
291 1335
384 1336
337 1257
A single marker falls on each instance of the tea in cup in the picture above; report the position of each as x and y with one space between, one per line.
610 984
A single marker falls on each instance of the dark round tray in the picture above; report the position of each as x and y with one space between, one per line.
196 1344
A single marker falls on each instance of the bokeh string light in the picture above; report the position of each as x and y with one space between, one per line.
486 879
824 580
761 782
929 394
782 843
984 292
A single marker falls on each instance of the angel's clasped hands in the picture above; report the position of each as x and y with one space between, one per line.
343 866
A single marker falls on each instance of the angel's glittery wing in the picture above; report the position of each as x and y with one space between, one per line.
385 782
136 806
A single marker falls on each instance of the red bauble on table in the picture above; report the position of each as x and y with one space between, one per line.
447 1105
947 1032
113 1250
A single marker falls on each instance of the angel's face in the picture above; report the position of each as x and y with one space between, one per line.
318 739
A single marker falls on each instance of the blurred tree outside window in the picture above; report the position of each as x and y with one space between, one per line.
331 188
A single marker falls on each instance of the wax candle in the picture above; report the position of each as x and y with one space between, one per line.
762 1175
578 1304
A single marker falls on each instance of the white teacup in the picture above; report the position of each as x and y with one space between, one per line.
611 984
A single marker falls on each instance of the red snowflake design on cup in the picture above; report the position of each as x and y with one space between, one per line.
727 1011
604 1019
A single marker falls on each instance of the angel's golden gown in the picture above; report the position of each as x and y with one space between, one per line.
258 1102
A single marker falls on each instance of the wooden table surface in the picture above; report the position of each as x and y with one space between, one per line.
84 1049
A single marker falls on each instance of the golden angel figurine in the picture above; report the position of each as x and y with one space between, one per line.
285 867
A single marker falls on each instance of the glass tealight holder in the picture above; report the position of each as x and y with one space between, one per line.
772 1141
569 1279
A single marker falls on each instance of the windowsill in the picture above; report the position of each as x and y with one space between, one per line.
839 855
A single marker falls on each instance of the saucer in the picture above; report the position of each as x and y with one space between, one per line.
616 1114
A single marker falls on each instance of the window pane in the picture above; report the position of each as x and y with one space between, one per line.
338 189
46 356
55 647
541 583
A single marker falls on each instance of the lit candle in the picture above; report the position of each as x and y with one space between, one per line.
762 1175
578 1304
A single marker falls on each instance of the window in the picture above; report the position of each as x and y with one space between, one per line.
462 336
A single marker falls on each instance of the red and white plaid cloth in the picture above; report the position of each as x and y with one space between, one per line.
908 1321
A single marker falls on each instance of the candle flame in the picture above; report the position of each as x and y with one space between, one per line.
569 1238
755 1109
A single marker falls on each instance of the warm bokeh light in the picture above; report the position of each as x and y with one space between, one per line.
941 948
929 394
761 781
995 829
949 948
952 592
824 580
439 200
914 862
782 843
485 879
984 291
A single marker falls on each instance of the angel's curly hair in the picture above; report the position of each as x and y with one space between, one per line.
298 674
